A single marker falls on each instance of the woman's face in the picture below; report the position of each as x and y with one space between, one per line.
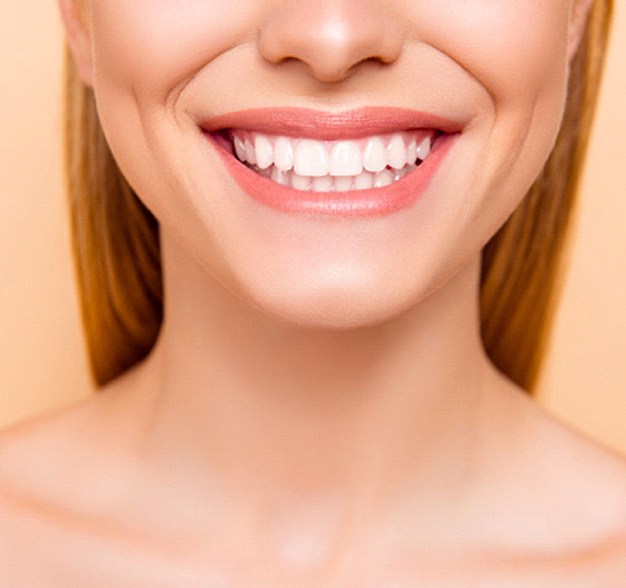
331 98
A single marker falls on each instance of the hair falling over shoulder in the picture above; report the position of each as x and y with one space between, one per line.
116 239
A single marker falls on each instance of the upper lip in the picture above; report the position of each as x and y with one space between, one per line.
329 126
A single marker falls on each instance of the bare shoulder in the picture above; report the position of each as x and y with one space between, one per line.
565 511
49 446
37 472
552 514
592 483
63 456
47 461
62 479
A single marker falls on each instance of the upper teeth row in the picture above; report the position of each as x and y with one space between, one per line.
308 157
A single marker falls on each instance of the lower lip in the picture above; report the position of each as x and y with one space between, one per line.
375 202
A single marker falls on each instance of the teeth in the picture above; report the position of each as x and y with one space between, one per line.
375 155
283 154
250 152
300 182
343 183
323 184
279 176
423 149
396 152
264 151
383 178
240 148
364 181
310 158
345 159
333 166
411 151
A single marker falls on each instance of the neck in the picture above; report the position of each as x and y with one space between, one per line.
278 410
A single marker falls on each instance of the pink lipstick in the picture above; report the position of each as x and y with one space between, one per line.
366 162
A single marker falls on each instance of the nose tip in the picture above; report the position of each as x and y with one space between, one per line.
331 37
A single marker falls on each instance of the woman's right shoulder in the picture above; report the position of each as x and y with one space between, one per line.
32 458
54 447
47 474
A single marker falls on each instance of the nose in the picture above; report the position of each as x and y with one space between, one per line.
331 36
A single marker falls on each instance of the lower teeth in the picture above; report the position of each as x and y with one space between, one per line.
364 181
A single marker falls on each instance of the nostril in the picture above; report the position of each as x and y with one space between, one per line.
331 38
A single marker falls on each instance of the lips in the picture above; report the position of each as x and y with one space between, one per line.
365 162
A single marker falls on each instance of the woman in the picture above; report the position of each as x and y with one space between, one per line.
314 399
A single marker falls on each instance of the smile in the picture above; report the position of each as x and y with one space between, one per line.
367 162
333 166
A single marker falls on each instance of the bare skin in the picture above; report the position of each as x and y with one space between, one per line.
77 509
319 409
497 493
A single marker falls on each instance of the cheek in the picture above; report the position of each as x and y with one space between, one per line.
152 44
517 50
511 46
145 52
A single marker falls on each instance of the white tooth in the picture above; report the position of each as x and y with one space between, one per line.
423 149
343 183
364 181
411 152
345 159
263 151
240 148
279 176
322 184
310 158
396 152
250 154
375 155
300 182
266 173
283 154
383 178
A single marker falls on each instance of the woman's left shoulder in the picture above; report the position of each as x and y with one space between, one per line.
564 505
586 482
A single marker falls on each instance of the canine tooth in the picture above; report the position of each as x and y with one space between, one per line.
364 181
375 155
383 178
240 148
264 152
396 152
345 159
283 154
423 149
343 183
250 154
411 151
300 182
322 184
279 176
310 158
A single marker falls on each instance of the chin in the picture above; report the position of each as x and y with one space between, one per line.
334 309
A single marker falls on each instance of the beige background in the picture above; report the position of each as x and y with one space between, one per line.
41 357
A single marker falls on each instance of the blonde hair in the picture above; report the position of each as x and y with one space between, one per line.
116 239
